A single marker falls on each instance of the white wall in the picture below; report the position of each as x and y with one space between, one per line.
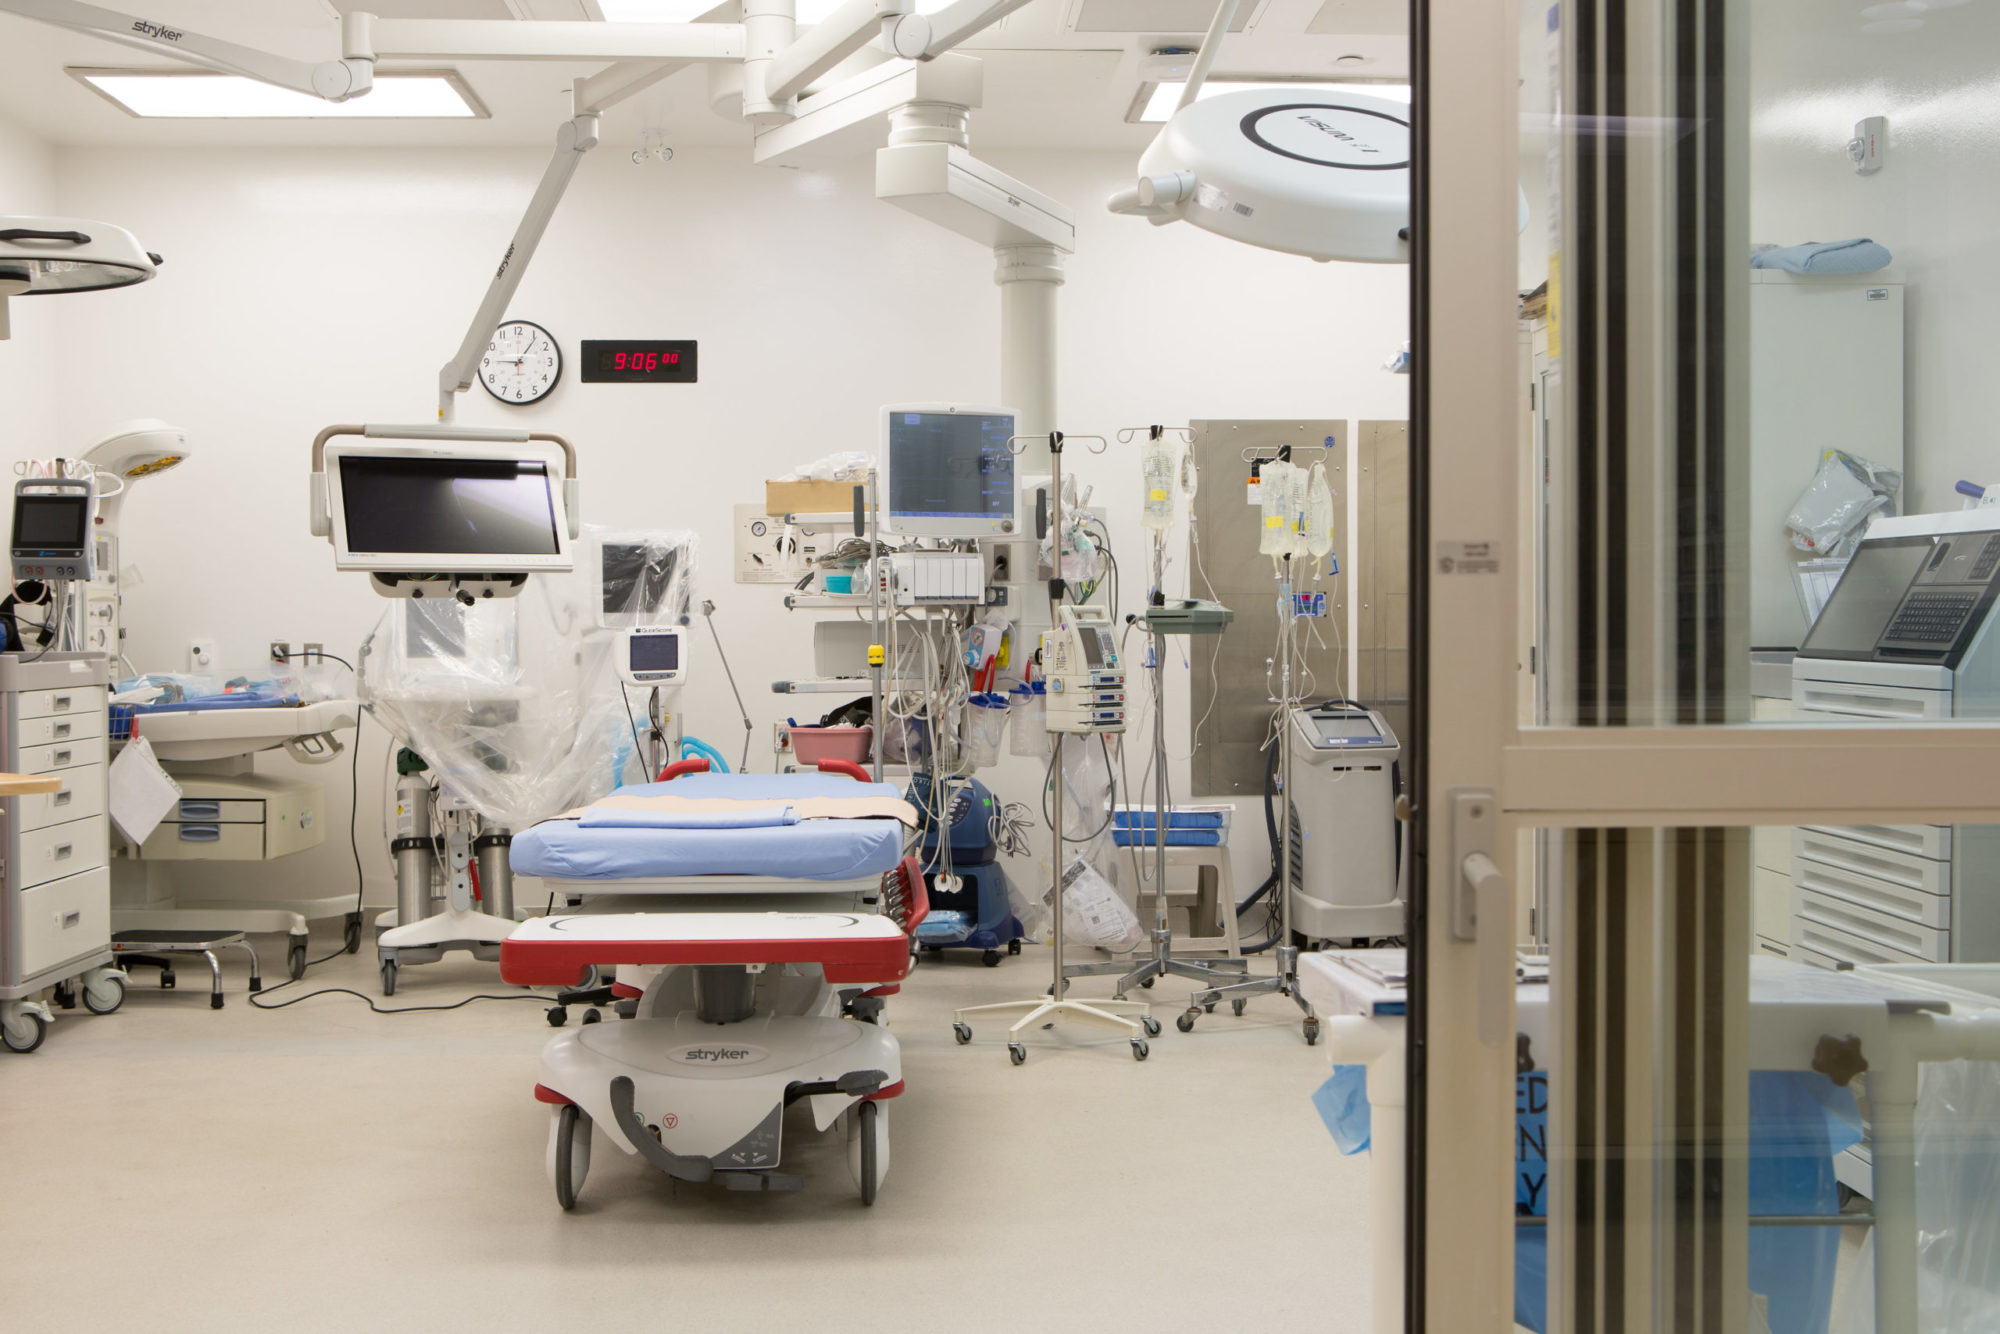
28 359
302 289
1933 205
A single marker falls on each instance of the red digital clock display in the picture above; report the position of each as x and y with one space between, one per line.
638 361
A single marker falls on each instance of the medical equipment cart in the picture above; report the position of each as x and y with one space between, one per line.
976 913
55 893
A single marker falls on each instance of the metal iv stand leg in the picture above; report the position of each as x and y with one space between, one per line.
1162 963
1055 1008
1285 980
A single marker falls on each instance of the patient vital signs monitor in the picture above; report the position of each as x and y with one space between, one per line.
52 529
950 471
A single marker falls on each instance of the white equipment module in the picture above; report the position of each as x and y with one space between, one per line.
1346 796
915 578
1086 683
950 471
1908 634
52 529
651 655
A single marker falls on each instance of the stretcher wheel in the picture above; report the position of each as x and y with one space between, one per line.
991 958
295 959
167 979
1148 983
1186 1022
963 1032
868 1149
1018 1053
22 1030
1140 1050
388 977
103 990
570 1163
351 936
1236 1006
1151 1025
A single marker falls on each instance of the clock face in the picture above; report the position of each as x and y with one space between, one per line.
522 363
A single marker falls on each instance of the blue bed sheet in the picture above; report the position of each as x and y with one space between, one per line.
809 850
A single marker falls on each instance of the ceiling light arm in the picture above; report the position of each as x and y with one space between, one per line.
614 83
839 35
332 80
957 22
548 39
1225 14
576 137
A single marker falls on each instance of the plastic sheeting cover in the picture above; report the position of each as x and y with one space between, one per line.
515 702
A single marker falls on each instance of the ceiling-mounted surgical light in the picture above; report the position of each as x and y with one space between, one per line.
688 11
43 255
1155 102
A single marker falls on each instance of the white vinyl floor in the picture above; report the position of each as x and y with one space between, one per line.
321 1167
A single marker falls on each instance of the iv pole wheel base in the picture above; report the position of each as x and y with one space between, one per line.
963 1032
1151 1025
1015 1051
1186 1022
1139 1049
1236 1007
1311 1027
1148 983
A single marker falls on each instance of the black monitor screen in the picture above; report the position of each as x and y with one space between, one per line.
638 580
51 523
1869 591
487 507
1091 655
1345 728
656 653
951 465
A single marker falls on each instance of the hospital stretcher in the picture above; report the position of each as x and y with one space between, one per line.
750 985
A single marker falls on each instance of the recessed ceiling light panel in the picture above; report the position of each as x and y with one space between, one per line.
192 94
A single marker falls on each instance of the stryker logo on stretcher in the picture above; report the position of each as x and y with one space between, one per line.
157 31
719 1055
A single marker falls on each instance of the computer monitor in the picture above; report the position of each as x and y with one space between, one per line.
424 509
949 471
640 582
52 529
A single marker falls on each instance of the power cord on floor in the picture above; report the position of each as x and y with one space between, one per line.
257 1001
353 810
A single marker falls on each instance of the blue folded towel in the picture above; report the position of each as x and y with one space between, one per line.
1858 255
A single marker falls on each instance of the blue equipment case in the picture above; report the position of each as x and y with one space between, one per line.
978 914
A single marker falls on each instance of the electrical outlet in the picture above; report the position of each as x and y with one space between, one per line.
281 650
201 654
314 653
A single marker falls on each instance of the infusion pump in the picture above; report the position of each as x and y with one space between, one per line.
1086 684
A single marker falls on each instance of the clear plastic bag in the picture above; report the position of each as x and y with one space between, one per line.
1275 493
1157 460
1317 531
1093 912
515 703
1029 733
1845 493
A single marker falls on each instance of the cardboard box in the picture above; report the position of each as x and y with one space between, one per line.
782 498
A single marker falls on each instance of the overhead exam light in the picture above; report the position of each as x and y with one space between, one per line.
1321 174
43 255
129 451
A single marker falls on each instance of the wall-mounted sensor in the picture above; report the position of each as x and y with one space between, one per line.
1870 142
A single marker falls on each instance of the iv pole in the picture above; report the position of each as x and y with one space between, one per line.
1284 980
1146 971
1047 1012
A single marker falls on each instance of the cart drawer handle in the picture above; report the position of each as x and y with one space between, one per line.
61 757
64 729
62 702
61 851
62 798
201 810
201 833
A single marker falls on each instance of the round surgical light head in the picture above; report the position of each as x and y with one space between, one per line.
39 256
139 448
1310 171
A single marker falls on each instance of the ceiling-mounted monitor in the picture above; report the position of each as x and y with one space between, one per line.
949 471
424 509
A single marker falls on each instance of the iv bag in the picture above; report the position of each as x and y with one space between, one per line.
1190 474
1318 531
1156 465
1295 508
1275 488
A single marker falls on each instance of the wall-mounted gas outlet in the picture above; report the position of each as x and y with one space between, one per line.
281 650
315 653
201 654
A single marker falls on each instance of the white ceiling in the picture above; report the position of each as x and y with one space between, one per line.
1053 79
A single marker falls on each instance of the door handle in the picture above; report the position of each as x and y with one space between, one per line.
1482 908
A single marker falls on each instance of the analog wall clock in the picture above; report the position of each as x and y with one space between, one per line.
522 363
